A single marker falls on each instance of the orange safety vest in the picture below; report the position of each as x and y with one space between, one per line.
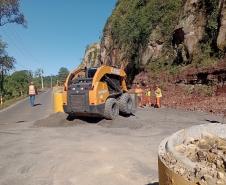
32 90
139 92
148 93
158 93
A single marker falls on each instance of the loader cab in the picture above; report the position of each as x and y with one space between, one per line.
90 72
84 76
82 82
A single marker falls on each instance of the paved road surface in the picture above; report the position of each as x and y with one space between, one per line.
23 112
56 151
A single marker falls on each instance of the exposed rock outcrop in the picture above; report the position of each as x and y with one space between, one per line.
111 54
92 56
175 43
215 74
193 20
197 24
154 49
221 40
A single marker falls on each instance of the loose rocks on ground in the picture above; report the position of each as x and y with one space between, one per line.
207 156
209 152
62 120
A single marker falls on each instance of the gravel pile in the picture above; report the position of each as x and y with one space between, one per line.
57 120
62 120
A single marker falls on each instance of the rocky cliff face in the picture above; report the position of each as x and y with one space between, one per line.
195 30
192 22
92 56
221 40
179 44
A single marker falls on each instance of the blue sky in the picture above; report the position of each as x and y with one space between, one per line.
57 34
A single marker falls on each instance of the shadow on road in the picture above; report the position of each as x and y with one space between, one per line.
22 121
37 104
212 121
154 183
93 120
8 133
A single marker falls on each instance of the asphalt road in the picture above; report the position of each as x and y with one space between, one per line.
23 112
36 150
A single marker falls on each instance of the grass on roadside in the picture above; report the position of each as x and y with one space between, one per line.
7 103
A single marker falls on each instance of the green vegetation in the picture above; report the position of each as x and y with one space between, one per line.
133 21
62 75
6 64
200 90
10 13
136 23
11 101
50 81
212 12
209 42
17 84
205 61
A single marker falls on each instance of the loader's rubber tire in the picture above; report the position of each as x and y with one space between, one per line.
71 117
111 110
125 104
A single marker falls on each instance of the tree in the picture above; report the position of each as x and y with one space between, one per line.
10 12
50 81
17 83
6 64
62 74
39 73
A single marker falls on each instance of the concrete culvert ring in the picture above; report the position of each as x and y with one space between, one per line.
194 156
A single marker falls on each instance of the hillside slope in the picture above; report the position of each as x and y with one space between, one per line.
161 34
179 44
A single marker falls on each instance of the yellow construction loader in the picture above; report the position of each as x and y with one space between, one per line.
97 92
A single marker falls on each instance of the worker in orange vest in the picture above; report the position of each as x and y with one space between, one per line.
32 93
158 94
139 91
148 95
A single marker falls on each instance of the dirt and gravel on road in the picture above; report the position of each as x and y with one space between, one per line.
56 150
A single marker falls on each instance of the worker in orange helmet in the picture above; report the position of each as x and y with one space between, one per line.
148 96
139 91
158 94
